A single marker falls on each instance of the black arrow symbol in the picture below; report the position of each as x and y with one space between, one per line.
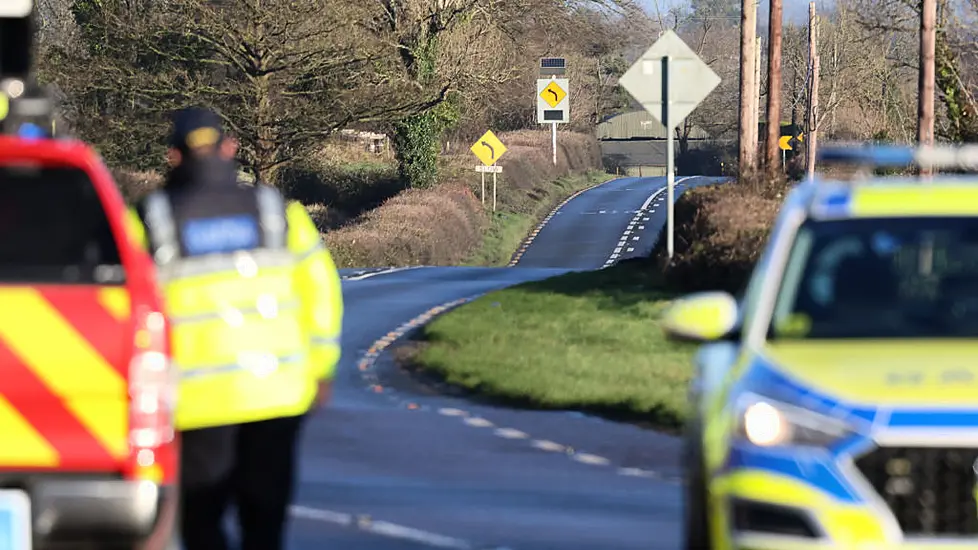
492 152
556 97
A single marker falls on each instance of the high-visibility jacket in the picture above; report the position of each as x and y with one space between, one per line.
254 330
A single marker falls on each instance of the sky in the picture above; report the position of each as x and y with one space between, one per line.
794 10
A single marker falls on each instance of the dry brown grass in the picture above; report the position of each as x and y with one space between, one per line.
352 196
417 227
340 152
442 226
720 232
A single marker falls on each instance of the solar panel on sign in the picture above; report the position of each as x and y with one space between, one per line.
553 63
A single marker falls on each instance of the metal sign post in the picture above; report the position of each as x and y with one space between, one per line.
669 80
494 191
670 156
553 145
488 149
553 98
491 169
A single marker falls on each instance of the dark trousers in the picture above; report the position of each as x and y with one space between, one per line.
251 465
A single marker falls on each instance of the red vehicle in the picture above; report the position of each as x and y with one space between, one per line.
89 456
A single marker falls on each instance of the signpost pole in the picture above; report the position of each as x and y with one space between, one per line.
494 191
553 139
483 189
670 156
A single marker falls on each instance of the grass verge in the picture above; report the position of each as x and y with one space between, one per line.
591 341
585 341
508 229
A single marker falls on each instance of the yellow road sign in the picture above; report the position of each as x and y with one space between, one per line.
488 148
801 137
553 95
783 143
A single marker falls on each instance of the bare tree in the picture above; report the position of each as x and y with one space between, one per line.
925 103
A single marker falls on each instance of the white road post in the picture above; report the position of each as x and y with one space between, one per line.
483 189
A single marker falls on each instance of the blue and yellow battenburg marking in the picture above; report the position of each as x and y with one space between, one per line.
882 408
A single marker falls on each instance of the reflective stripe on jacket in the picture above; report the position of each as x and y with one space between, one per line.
253 330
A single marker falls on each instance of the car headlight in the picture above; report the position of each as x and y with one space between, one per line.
768 423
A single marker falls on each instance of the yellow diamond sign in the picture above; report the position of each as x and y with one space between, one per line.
553 95
488 148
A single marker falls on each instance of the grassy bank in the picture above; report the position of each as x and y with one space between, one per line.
507 229
585 341
591 341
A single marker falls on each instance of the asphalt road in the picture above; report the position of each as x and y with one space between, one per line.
392 465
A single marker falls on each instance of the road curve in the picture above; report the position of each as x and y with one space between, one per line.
391 465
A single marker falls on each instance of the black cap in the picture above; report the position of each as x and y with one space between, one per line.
196 127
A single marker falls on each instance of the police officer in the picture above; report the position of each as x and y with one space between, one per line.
255 305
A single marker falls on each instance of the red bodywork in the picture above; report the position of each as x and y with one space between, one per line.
51 333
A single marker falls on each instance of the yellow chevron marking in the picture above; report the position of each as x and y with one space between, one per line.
22 445
68 365
115 301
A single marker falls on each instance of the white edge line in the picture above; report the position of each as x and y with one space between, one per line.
382 272
381 528
640 213
525 245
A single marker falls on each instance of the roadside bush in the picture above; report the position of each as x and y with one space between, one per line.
369 220
720 233
443 225
417 227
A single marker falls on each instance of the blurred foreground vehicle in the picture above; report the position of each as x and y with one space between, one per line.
88 453
836 402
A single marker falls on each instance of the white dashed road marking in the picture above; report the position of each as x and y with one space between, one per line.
478 422
545 445
555 212
655 199
367 364
510 433
592 459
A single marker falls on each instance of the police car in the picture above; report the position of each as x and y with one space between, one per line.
836 401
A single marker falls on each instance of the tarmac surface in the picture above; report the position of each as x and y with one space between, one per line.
391 464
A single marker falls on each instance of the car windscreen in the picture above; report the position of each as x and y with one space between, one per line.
880 278
53 228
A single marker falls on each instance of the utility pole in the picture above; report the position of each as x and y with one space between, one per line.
756 98
748 124
925 83
813 63
772 160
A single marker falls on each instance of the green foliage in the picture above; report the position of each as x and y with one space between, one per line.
415 141
417 138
